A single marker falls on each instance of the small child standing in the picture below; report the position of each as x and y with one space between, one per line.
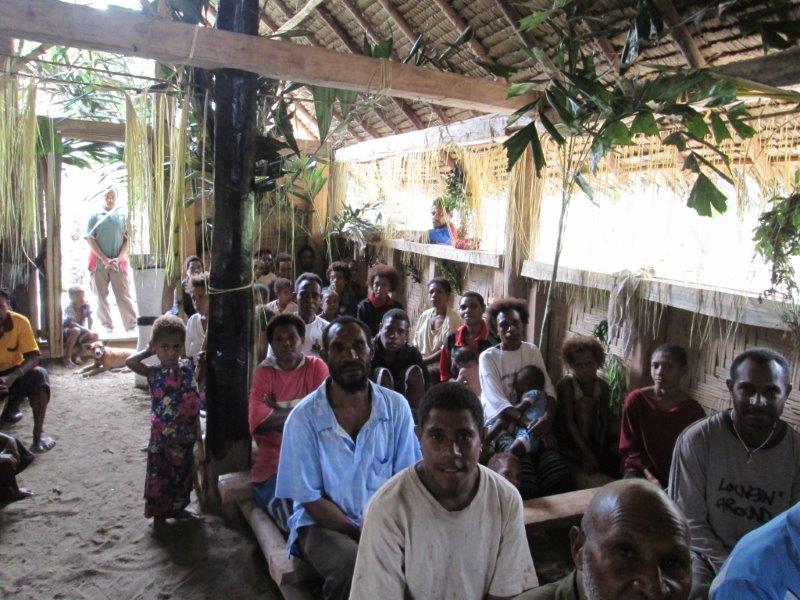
174 421
466 362
283 305
518 438
77 326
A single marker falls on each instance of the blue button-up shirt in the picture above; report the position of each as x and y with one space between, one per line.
319 458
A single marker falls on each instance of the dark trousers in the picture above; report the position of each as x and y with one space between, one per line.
703 574
333 556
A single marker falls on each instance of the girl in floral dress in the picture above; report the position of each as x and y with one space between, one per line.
174 421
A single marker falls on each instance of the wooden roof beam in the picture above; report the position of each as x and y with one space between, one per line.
779 69
55 22
680 33
460 24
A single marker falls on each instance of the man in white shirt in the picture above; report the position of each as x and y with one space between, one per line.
198 323
445 527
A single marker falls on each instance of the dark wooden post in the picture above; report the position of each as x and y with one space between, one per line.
231 307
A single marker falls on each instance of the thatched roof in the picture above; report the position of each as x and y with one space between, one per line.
717 41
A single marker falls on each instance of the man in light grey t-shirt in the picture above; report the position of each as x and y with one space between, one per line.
735 470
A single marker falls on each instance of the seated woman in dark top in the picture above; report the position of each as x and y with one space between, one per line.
382 281
397 365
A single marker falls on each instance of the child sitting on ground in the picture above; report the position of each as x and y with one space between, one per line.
330 305
518 438
283 305
466 362
174 422
506 465
77 326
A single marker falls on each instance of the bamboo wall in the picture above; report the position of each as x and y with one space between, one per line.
709 360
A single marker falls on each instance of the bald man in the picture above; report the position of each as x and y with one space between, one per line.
633 542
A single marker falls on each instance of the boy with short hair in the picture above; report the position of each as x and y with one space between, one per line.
283 305
77 326
507 465
412 542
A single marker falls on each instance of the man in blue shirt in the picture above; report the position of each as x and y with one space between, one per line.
765 563
340 444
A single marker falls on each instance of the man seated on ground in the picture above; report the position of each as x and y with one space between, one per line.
340 444
412 544
398 365
764 564
633 542
14 458
20 375
737 469
279 383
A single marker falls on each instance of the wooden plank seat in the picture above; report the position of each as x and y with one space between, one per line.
553 511
288 572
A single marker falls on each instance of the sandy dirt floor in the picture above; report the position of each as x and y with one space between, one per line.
83 534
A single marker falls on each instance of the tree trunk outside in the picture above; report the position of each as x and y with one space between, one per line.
231 302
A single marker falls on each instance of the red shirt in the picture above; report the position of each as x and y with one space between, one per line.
478 344
648 433
272 387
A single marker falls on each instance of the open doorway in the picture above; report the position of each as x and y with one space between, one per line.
82 193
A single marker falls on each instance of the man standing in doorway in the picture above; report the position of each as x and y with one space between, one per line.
107 235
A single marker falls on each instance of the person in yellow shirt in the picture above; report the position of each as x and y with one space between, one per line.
20 373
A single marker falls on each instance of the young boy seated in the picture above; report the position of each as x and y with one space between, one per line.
397 365
77 326
518 438
416 539
506 465
283 305
466 361
330 304
590 436
261 295
263 317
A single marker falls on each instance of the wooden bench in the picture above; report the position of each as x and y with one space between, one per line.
557 510
289 573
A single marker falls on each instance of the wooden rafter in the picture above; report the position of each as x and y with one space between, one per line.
460 24
55 22
512 17
605 45
375 37
398 20
681 35
337 30
272 26
300 15
778 69
353 46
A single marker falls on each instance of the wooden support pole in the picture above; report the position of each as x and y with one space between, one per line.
231 308
55 22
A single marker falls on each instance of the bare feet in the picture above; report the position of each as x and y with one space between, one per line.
68 364
44 444
23 493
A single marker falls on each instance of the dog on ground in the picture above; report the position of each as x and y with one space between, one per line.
104 358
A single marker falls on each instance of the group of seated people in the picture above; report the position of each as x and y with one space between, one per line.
395 456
